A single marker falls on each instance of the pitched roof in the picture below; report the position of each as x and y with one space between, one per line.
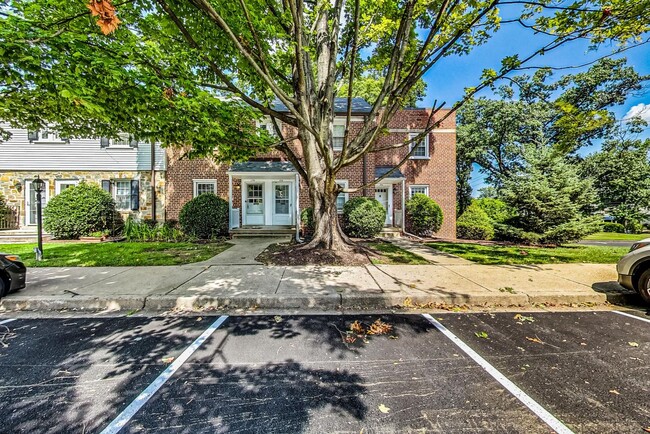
263 166
382 170
359 106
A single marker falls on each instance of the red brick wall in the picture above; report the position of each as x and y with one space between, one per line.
438 172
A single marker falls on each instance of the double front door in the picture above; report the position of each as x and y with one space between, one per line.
268 203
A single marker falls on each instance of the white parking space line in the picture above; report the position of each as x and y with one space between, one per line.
123 418
631 316
7 321
529 402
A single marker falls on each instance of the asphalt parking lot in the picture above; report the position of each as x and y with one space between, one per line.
535 372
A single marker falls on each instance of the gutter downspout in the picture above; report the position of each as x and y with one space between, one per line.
230 225
298 239
153 181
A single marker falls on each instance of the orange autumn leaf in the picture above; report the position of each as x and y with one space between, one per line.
103 9
357 328
379 328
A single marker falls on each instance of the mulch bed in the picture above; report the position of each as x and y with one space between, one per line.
292 254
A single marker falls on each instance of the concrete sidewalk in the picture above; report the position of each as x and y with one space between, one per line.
201 286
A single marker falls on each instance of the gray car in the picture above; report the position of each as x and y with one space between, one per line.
634 269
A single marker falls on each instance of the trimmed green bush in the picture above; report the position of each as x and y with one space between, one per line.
497 210
613 227
635 227
80 211
424 215
307 219
205 216
474 224
363 217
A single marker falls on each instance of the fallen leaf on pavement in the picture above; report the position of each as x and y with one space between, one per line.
535 339
277 318
167 359
383 408
379 328
633 344
521 318
615 392
357 328
646 429
481 335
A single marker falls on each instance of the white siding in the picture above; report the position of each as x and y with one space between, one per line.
80 154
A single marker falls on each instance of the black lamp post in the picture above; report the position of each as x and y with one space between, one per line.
39 187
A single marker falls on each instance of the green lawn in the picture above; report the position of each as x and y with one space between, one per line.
395 255
114 254
612 236
500 255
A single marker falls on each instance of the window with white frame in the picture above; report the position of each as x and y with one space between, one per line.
421 146
267 124
202 186
45 136
338 137
123 141
421 189
342 197
62 184
122 194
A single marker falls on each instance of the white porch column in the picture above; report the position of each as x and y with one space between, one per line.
403 205
298 207
230 201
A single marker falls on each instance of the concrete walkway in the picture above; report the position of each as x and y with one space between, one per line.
201 286
244 251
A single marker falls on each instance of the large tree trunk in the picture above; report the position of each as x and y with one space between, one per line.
327 230
323 192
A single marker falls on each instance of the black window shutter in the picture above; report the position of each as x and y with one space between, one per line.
32 136
106 185
104 142
135 195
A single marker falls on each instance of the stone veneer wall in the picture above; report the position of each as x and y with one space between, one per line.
15 198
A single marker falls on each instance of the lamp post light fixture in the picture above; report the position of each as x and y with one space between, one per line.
39 186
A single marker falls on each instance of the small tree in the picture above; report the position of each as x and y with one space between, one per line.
424 215
81 210
496 209
551 198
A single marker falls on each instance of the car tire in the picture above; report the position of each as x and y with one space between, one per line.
4 287
643 286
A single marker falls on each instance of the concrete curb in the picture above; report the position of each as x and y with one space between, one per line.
364 301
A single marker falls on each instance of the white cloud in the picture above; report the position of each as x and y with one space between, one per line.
639 110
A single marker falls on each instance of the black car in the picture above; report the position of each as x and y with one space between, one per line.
12 274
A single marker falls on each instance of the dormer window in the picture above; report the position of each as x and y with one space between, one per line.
124 140
46 136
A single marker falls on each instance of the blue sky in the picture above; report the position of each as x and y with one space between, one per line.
447 80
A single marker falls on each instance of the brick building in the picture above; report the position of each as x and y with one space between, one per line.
267 191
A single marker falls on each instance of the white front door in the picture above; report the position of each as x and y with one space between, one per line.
30 201
281 203
382 196
254 203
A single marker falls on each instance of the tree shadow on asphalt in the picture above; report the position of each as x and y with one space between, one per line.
325 331
77 375
268 398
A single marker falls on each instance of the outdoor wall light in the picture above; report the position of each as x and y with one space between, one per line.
18 186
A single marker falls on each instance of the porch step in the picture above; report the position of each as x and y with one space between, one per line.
390 232
263 231
21 237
